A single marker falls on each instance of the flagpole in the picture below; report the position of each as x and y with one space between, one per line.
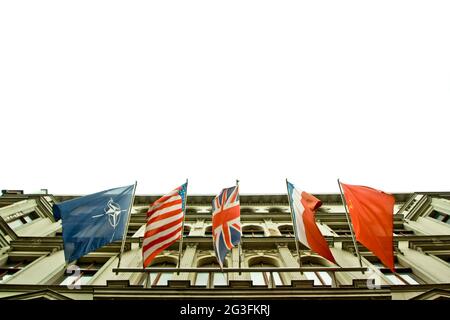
349 224
240 242
299 252
182 230
124 237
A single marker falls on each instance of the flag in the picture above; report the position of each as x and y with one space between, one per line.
164 223
92 221
303 208
372 214
226 222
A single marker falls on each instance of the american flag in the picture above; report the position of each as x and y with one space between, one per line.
226 222
164 223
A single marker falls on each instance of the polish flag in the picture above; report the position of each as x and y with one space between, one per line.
303 208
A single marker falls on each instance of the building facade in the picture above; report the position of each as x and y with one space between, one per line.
32 264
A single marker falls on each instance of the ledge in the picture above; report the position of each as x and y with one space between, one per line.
240 284
302 284
118 283
181 284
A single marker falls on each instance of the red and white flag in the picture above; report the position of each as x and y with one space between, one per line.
164 223
303 207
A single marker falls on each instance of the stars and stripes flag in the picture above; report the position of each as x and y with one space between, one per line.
164 223
303 208
226 222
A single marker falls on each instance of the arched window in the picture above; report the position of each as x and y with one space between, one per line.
186 230
286 230
208 231
275 210
268 278
320 278
159 278
191 211
247 211
210 279
252 231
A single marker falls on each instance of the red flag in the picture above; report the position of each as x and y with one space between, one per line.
372 214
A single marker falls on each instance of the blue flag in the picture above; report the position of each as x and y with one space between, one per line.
92 221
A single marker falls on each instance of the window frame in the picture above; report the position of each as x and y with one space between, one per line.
211 276
148 282
268 276
254 232
319 274
32 216
399 271
19 261
445 216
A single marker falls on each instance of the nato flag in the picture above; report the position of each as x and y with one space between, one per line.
93 221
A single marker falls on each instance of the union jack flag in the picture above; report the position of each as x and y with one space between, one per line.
226 222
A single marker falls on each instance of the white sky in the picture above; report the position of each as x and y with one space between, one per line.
98 94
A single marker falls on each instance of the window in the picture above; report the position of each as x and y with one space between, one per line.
402 276
440 216
403 232
191 211
9 269
275 210
210 279
343 232
208 231
247 211
132 229
443 256
159 278
253 231
82 276
287 231
186 231
268 278
17 220
320 278
13 265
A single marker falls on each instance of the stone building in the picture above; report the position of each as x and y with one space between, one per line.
32 261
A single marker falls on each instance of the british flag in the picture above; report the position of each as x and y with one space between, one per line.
226 222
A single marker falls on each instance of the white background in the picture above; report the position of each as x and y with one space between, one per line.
98 94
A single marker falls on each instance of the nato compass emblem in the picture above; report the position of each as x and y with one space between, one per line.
112 211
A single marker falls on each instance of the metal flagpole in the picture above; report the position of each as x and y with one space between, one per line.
182 230
124 237
349 224
299 252
240 246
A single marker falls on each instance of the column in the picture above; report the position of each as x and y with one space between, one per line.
187 261
289 261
